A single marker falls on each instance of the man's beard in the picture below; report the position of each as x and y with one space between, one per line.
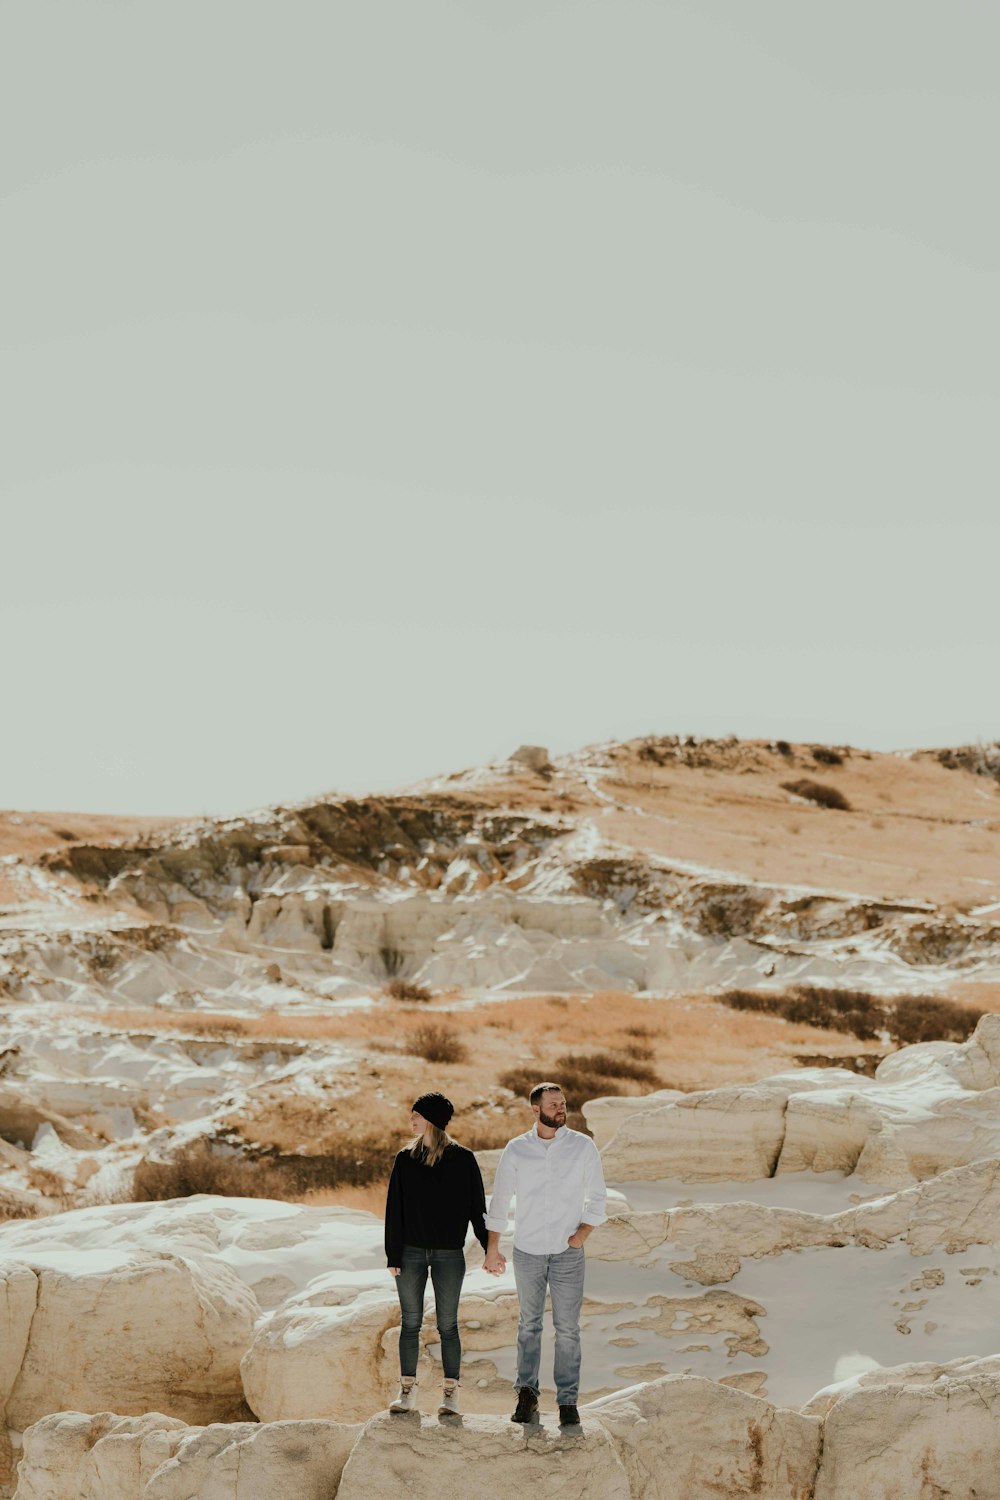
553 1122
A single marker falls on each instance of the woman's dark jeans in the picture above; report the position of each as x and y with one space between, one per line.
447 1271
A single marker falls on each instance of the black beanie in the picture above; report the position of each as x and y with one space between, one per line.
436 1108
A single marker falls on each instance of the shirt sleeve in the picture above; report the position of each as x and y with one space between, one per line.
498 1218
595 1194
477 1201
394 1218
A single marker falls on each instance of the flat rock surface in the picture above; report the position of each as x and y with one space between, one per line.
480 1458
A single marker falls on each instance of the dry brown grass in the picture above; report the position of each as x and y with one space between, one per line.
337 1146
198 1169
695 1042
15 1204
195 1169
370 1199
902 1019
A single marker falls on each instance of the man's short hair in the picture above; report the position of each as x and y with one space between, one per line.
543 1088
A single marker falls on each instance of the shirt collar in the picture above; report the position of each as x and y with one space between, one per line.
560 1134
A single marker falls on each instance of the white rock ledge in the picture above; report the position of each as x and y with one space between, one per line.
679 1438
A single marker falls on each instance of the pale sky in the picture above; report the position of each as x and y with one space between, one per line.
386 385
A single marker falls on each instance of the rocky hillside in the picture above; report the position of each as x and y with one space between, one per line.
660 865
795 1293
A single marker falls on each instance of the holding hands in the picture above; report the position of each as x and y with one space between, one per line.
494 1262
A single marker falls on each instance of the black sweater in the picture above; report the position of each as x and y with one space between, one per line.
433 1206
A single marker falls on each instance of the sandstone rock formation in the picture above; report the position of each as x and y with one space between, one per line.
929 1107
70 1456
715 1135
246 1462
312 1359
74 1456
134 1332
897 1442
898 1435
684 1439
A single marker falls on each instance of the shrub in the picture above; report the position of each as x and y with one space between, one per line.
439 1044
356 1163
852 1011
827 756
220 1025
783 747
928 1018
640 1051
816 791
612 1065
583 1076
904 1019
730 913
521 1080
753 1000
981 760
405 989
196 1169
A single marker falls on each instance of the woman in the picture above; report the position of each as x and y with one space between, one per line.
435 1192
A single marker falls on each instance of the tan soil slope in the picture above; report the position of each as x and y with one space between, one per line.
916 830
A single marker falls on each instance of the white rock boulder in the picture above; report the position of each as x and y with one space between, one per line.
689 1439
319 1359
605 1116
73 1455
300 1460
896 1442
950 1212
133 1333
718 1135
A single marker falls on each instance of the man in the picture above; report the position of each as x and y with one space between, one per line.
556 1178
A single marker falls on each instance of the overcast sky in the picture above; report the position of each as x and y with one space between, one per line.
388 384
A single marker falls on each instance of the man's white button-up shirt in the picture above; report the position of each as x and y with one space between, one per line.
556 1188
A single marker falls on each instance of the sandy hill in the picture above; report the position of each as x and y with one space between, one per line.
919 826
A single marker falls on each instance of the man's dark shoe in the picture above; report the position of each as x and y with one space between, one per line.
527 1405
569 1416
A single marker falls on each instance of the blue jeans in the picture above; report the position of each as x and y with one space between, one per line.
562 1275
447 1271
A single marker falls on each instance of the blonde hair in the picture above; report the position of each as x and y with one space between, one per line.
440 1141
